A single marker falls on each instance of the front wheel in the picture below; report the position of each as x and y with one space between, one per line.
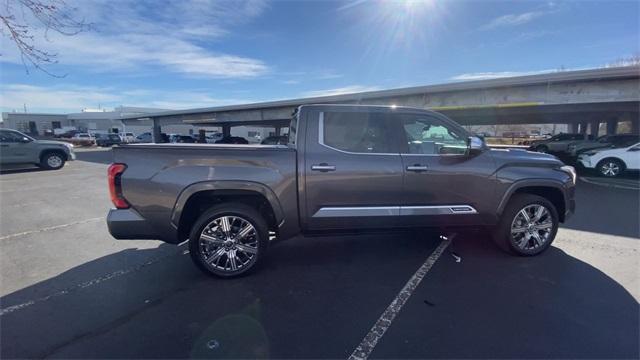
52 160
228 240
528 226
610 167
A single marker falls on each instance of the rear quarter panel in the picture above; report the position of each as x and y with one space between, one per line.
157 174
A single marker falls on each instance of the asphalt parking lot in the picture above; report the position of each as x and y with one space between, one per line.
69 290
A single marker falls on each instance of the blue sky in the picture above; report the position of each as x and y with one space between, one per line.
197 53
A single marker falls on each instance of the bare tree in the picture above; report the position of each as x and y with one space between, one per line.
20 21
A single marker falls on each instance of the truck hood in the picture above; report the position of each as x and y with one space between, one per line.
523 157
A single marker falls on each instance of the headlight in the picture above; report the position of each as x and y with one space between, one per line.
69 145
571 171
590 153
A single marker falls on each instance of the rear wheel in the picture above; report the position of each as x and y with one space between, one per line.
228 240
528 226
52 160
610 167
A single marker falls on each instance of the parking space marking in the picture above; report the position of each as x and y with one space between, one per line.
50 228
86 284
383 323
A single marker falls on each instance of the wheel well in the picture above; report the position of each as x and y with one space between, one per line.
552 194
201 201
624 166
56 151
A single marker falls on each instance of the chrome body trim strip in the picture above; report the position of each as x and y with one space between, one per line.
365 211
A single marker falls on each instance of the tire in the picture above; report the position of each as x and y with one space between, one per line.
52 160
215 254
524 242
542 149
610 167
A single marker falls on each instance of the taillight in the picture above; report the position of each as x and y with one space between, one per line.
115 186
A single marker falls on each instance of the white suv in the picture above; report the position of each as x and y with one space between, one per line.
612 162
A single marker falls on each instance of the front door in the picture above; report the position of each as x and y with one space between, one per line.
353 171
443 185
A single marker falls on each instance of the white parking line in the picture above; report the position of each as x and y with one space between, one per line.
49 228
369 342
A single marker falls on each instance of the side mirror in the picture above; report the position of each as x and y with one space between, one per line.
25 139
475 145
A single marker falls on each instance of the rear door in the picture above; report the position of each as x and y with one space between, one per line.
353 171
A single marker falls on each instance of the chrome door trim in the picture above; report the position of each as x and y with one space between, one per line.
437 210
365 211
357 211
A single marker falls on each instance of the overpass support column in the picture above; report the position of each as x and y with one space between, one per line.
156 131
594 127
572 128
583 127
612 126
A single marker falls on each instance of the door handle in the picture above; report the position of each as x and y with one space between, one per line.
324 167
417 168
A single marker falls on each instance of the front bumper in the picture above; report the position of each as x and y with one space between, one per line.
585 161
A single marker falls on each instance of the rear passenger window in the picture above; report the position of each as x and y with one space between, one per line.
356 132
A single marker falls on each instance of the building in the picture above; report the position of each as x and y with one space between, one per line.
96 120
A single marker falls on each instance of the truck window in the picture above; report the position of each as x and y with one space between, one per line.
429 136
355 132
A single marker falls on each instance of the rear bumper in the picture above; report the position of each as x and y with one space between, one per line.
126 224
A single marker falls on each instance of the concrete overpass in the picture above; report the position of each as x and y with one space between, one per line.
582 99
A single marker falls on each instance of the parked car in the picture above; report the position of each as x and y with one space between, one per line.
19 148
558 143
83 136
276 140
606 141
233 140
347 168
106 140
144 138
612 162
213 137
175 138
127 137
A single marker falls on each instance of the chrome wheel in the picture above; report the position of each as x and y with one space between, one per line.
229 244
54 161
532 227
610 168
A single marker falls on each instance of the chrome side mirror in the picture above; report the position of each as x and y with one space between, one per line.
475 145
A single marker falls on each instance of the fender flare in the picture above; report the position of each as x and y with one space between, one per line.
242 185
528 183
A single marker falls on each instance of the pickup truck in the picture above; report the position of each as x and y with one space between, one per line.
19 148
345 168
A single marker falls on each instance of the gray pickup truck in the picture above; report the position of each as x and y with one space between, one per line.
345 168
19 148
